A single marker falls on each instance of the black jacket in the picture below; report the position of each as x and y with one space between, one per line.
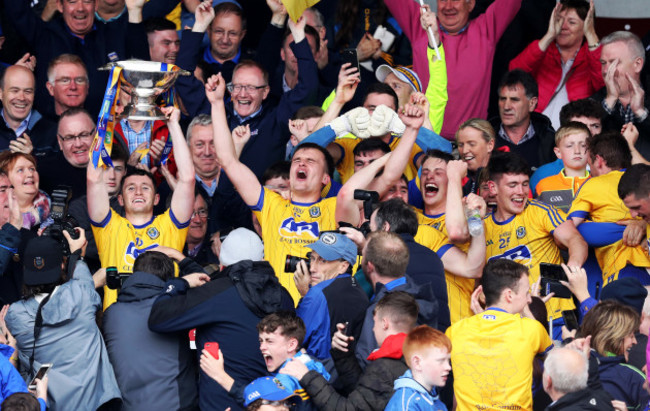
153 371
370 389
425 267
427 302
593 397
41 131
539 149
224 312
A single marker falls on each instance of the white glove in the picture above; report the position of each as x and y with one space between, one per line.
355 121
385 120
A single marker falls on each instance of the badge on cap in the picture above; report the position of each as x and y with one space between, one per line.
153 233
328 238
39 262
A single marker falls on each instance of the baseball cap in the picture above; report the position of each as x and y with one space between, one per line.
628 291
333 246
405 74
277 388
42 261
241 244
215 3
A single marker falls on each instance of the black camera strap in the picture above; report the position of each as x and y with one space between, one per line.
38 325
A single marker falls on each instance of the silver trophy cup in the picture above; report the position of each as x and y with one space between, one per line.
143 81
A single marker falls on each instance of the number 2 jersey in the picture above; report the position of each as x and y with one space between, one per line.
287 227
527 239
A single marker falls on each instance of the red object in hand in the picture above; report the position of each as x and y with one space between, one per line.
213 349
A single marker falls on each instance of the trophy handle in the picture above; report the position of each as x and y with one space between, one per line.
110 65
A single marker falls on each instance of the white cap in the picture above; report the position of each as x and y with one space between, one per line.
241 244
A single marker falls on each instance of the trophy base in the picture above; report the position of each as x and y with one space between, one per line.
143 112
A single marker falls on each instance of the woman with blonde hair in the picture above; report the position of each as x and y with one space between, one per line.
612 327
21 169
475 140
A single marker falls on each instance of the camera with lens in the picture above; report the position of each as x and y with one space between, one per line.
61 220
370 199
291 262
114 279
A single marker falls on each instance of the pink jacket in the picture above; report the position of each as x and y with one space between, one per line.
468 55
584 78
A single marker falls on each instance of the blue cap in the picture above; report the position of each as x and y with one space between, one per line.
333 246
277 388
215 3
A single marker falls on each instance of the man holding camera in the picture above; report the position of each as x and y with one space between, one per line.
120 240
334 297
55 323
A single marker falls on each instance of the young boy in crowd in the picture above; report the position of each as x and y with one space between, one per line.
427 352
281 335
560 189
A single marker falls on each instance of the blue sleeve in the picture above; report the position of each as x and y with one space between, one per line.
306 87
324 136
42 404
181 308
585 306
189 88
429 140
11 381
442 250
545 171
601 234
315 314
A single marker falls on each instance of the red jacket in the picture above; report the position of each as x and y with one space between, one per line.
584 76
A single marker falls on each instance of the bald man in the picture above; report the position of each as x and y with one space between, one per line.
22 129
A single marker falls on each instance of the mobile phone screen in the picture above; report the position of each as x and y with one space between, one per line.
42 372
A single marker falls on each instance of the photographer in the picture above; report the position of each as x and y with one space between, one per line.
55 323
330 294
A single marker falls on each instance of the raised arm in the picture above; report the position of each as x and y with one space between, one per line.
183 196
347 208
412 116
470 264
244 180
98 200
455 220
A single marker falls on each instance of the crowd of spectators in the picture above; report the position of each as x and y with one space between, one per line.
372 204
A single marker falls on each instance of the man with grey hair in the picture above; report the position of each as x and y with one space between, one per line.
567 381
623 97
226 209
67 83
